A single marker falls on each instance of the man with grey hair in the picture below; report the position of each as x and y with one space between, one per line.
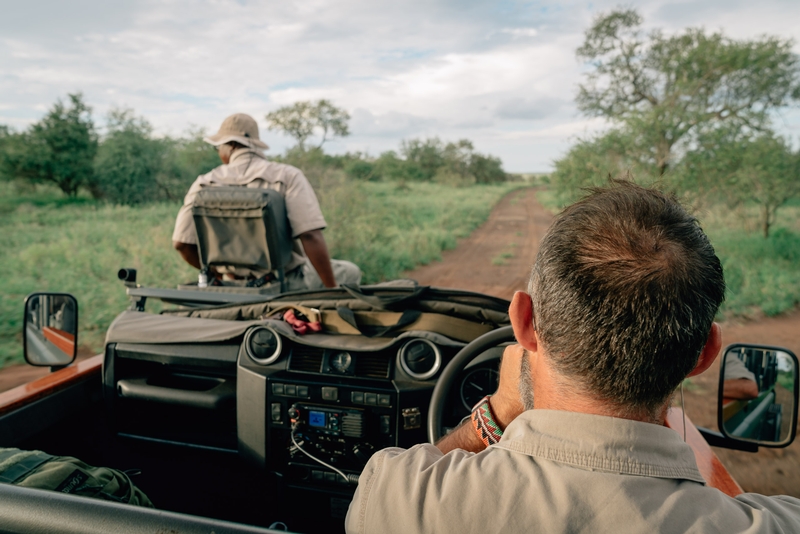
619 310
243 164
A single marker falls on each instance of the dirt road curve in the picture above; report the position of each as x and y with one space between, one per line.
496 260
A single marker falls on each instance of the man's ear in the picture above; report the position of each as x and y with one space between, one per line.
710 350
521 313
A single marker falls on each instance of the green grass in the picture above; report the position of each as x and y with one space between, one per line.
50 243
501 258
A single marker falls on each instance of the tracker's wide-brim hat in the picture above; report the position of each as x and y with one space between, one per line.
239 127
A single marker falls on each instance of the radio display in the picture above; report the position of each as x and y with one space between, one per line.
316 419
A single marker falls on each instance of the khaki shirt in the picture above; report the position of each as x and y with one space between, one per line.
556 471
249 168
735 369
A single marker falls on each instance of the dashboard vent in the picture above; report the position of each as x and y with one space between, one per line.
306 359
352 425
373 364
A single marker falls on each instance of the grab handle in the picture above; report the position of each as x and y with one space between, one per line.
217 396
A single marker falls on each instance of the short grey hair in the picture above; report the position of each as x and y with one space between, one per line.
625 288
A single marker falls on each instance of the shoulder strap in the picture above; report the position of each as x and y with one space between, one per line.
389 301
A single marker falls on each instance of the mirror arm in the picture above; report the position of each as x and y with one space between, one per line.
716 439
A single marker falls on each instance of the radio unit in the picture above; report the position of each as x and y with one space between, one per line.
347 422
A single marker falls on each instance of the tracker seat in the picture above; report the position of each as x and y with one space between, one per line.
243 230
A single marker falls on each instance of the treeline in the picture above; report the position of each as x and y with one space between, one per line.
690 111
418 160
127 164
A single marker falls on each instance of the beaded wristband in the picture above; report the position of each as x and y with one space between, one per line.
484 424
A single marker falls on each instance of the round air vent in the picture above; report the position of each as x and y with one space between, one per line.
263 345
420 359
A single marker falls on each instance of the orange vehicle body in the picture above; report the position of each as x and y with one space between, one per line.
63 340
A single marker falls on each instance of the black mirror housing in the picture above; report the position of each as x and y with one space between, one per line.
758 395
50 329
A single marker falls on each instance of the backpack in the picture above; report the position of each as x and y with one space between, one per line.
37 469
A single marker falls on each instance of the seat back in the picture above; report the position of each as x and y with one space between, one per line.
243 227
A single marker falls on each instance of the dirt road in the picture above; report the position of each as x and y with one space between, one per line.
497 257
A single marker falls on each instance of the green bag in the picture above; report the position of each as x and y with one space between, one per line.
36 469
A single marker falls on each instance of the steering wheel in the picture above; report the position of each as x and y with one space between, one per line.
460 361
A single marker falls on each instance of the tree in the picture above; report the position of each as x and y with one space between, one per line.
6 137
426 155
302 119
591 161
189 156
59 149
744 170
669 89
129 162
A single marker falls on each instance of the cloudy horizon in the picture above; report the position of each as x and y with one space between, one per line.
503 74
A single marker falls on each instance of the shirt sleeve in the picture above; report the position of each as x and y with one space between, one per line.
779 513
735 368
302 206
184 223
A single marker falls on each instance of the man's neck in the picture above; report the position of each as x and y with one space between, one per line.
553 392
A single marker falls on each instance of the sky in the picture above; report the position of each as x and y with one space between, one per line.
503 74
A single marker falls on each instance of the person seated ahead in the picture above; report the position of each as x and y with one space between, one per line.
244 164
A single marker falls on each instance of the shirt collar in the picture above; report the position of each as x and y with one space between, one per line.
239 152
599 443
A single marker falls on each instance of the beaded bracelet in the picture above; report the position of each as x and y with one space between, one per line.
484 424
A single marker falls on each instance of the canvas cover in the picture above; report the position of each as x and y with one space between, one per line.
242 227
152 329
447 317
382 297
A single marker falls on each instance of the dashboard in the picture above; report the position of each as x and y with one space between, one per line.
309 409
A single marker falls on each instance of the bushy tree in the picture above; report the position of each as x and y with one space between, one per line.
191 157
6 137
427 155
390 166
129 162
669 89
59 149
744 170
487 169
456 162
301 120
592 160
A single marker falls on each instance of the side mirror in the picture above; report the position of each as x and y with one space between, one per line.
758 395
50 329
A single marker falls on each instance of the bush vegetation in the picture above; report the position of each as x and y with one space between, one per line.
50 242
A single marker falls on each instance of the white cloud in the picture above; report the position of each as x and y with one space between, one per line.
521 32
502 74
